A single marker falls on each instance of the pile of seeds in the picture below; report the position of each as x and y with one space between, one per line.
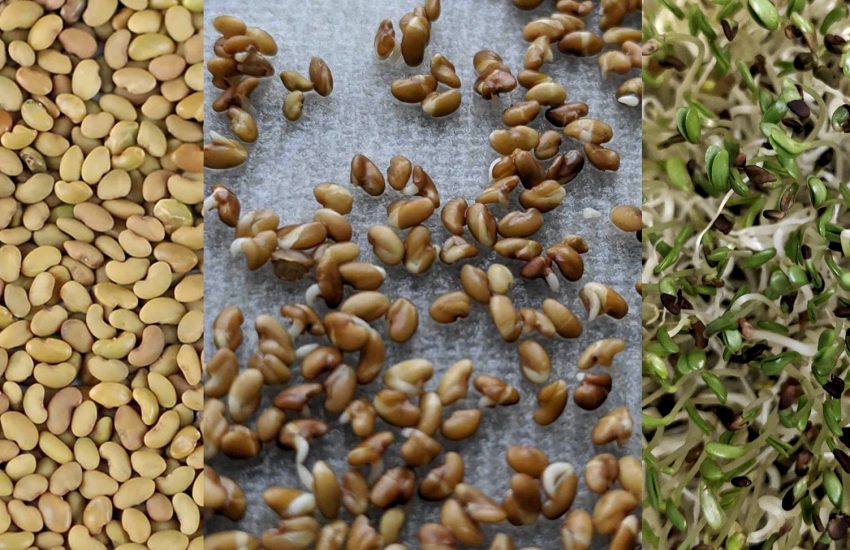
747 275
328 349
101 239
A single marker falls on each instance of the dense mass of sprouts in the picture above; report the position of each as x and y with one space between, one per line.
746 280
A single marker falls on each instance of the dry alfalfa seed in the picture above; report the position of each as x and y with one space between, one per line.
293 103
443 70
321 77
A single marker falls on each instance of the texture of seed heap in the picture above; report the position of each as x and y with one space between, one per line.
101 237
746 278
331 346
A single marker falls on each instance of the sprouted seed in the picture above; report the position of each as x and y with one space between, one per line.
746 281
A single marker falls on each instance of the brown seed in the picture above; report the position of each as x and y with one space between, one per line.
631 475
432 9
398 172
296 82
589 130
385 39
450 307
293 104
424 186
227 328
365 174
402 320
395 408
481 224
559 482
520 224
627 218
602 158
522 501
566 324
499 191
295 398
333 196
495 391
501 541
496 80
444 70
569 261
355 492
562 115
534 362
522 113
440 104
390 526
420 449
409 376
552 29
577 531
475 284
528 169
528 78
545 196
600 352
222 153
386 244
441 481
581 43
518 249
565 166
433 536
601 471
527 460
453 215
454 382
478 505
413 89
534 320
614 62
616 425
539 52
630 92
419 253
404 214
548 146
611 509
465 530
303 236
288 502
592 391
321 77
626 534
461 424
485 59
505 317
527 4
345 331
599 299
575 7
551 400
547 93
371 449
456 249
363 535
415 36
326 490
395 487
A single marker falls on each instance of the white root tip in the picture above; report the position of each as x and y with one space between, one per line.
552 281
311 294
305 350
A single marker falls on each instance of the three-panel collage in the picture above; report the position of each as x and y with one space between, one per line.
424 274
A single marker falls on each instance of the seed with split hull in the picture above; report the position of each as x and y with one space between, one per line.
539 52
528 78
527 460
333 196
385 39
630 92
565 167
505 142
581 43
600 472
534 362
293 104
592 391
444 71
415 36
475 284
481 224
403 320
419 253
396 486
599 299
547 93
600 352
495 391
551 400
505 317
522 113
568 260
494 81
562 115
589 130
296 82
616 425
611 509
413 89
440 104
545 196
222 153
365 174
321 77
407 213
566 323
450 307
519 224
453 215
